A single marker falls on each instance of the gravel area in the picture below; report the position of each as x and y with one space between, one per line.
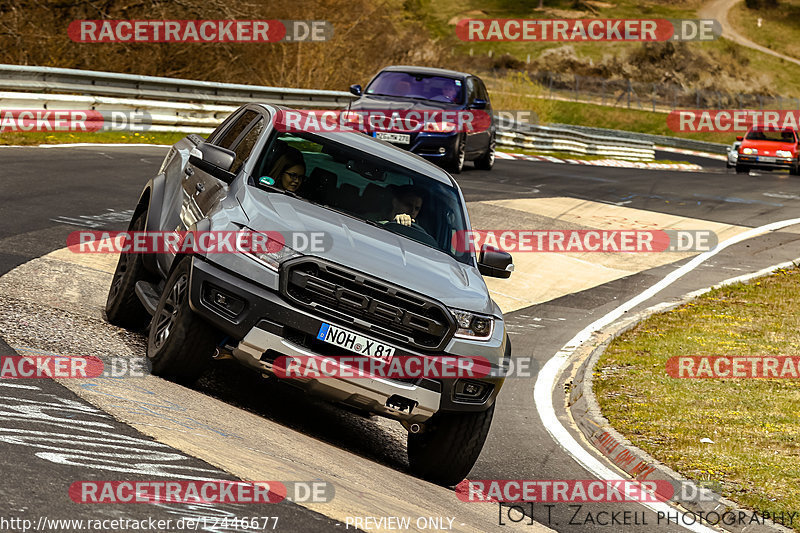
55 305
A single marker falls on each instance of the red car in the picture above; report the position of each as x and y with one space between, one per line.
768 149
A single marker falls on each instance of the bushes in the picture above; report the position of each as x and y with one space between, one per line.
367 37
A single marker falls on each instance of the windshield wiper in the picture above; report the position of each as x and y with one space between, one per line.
273 188
402 96
372 223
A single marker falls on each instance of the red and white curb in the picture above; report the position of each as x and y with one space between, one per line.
707 155
602 162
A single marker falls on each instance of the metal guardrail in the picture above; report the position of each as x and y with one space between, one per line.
551 139
198 106
659 140
92 82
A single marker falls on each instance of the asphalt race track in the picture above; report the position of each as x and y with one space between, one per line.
233 425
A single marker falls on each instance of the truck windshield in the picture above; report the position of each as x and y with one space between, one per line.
364 186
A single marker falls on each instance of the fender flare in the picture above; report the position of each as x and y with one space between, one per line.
150 202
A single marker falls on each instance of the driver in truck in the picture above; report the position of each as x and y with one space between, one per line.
406 205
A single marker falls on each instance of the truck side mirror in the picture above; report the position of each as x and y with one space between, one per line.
214 160
495 263
355 89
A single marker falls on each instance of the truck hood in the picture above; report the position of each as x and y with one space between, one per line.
371 250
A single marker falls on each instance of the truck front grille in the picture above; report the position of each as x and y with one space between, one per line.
368 304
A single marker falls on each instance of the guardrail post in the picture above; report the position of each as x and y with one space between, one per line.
603 95
630 88
653 94
576 87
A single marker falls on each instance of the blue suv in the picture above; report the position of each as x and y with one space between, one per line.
402 88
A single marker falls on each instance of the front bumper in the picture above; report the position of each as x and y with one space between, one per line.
433 146
752 161
268 326
401 401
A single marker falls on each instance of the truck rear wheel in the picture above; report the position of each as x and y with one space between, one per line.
180 344
447 449
123 307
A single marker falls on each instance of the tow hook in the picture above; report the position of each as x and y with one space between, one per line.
414 427
400 404
221 354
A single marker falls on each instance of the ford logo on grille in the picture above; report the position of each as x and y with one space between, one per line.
360 304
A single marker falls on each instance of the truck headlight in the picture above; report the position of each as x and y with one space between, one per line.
273 260
783 153
473 326
749 151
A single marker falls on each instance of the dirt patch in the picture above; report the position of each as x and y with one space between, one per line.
677 64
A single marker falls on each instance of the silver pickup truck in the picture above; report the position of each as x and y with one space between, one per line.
387 274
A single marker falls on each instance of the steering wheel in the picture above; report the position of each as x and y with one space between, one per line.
413 225
415 231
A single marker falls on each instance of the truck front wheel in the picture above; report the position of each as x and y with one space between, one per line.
180 344
447 449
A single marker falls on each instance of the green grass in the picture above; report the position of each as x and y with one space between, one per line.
580 157
28 138
780 26
731 67
437 14
754 423
515 92
781 77
622 118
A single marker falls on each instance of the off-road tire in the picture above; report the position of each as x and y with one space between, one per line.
180 344
447 449
123 307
